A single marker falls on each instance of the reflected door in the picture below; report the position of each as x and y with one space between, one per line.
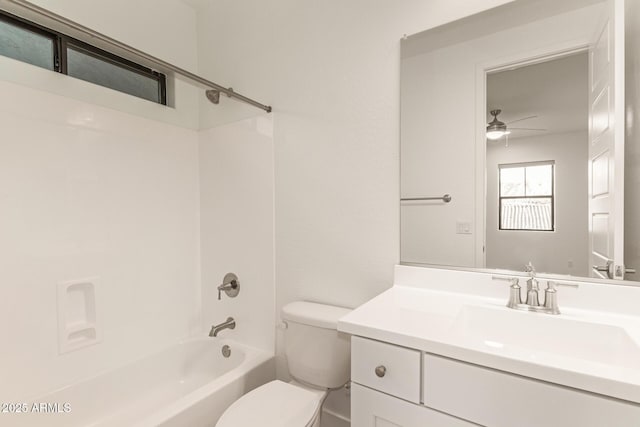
606 146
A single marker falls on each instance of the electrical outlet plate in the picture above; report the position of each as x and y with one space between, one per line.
463 227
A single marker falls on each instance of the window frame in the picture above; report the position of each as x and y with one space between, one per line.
552 196
38 29
62 42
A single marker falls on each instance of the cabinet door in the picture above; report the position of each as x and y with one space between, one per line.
370 408
500 399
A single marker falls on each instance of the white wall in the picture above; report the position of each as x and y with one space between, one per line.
93 191
632 141
331 71
563 251
439 132
163 28
236 192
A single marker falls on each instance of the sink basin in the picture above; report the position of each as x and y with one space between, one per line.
543 338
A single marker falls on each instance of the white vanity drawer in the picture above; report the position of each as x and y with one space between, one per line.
386 367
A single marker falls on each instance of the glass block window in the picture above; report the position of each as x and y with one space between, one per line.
526 196
36 45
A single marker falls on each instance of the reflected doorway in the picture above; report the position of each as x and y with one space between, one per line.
537 170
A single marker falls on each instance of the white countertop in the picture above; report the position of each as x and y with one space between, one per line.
596 351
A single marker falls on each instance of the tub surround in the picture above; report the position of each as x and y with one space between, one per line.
88 192
593 346
236 228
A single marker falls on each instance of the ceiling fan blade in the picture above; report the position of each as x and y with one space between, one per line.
541 130
524 118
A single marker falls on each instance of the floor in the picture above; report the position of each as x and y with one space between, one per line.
336 411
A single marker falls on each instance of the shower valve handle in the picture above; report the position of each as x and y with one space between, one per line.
230 286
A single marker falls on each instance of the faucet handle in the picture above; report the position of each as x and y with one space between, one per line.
551 294
515 298
230 285
552 285
513 280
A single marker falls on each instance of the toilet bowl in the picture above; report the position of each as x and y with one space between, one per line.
318 360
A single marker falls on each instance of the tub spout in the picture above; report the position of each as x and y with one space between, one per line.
229 324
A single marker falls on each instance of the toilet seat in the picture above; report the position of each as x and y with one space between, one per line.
275 404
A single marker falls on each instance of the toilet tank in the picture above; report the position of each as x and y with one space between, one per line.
316 352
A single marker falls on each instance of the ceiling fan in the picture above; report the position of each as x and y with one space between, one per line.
496 129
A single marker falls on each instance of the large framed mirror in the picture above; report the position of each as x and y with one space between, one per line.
517 142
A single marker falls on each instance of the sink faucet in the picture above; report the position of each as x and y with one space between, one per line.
550 295
229 324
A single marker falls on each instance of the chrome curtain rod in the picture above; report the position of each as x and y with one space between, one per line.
28 10
446 198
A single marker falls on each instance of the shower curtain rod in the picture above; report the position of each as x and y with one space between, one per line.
41 16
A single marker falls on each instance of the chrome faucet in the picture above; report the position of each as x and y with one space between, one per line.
550 295
229 324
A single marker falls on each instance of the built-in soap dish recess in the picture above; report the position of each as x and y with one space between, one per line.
77 322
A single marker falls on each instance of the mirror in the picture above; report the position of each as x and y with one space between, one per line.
515 114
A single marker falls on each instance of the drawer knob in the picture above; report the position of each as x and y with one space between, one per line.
380 371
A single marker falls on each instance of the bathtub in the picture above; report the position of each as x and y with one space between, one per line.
189 384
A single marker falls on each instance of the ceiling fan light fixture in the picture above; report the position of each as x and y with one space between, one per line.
496 129
496 134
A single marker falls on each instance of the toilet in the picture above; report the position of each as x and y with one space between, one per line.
318 358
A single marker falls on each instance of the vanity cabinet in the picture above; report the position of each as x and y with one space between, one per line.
370 408
386 388
395 386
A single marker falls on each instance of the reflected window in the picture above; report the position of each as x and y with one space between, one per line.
526 196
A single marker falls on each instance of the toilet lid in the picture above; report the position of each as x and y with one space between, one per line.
275 404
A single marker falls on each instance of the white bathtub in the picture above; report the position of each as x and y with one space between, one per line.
186 385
